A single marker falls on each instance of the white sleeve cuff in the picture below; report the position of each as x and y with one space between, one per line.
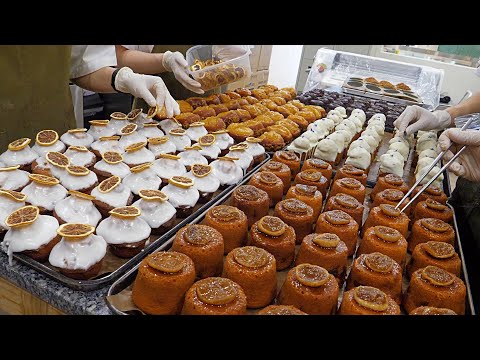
86 59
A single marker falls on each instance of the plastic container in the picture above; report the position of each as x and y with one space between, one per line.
220 74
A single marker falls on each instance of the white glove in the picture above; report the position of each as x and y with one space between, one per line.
176 63
421 119
229 52
152 89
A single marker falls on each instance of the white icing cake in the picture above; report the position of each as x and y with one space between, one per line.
423 163
339 140
396 154
341 110
223 141
77 210
344 127
372 133
401 148
180 141
370 140
168 124
360 114
227 172
391 164
81 158
166 148
427 135
58 146
20 157
7 206
195 132
379 116
430 153
359 157
255 149
244 158
127 140
205 184
427 144
357 121
73 182
13 179
98 131
77 139
329 123
166 168
210 151
300 145
150 132
44 195
363 144
326 150
155 213
123 231
190 157
178 196
107 145
117 125
146 179
347 137
351 126
120 169
116 198
138 157
337 119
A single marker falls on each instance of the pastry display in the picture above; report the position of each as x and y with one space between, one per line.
79 254
12 178
348 204
9 202
389 181
130 135
281 310
270 183
53 164
325 250
124 231
77 137
311 289
183 119
110 194
430 229
77 208
204 181
179 138
169 124
296 214
227 171
98 129
106 143
256 150
433 286
313 177
279 169
309 195
432 209
79 178
110 165
208 148
431 192
435 253
137 154
430 310
349 186
341 224
290 159
150 130
80 156
387 215
155 209
163 279
47 140
367 300
270 140
161 145
117 121
168 166
252 201
142 177
44 192
19 153
182 195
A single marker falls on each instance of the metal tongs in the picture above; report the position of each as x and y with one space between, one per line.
470 119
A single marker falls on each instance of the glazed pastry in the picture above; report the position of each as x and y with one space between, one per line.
47 140
349 186
184 119
225 170
229 117
435 253
80 253
30 234
196 130
348 204
223 141
325 250
142 177
80 156
367 300
389 181
112 164
215 296
296 214
168 166
19 153
12 178
196 102
106 143
387 215
349 171
290 159
385 240
341 224
204 245
44 192
291 126
79 178
432 192
179 138
307 194
252 201
137 154
243 115
213 99
319 165
359 157
77 137
191 156
391 197
311 289
204 181
99 128
279 169
110 194
256 150
117 121
430 310
124 231
150 130
204 112
170 124
430 229
77 208
432 209
161 283
273 235
282 130
155 209
9 202
327 150
214 123
270 183
313 177
219 108
432 286
270 140
208 148
182 195
161 145
280 310
257 127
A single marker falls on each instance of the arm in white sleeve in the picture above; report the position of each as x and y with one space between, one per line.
140 59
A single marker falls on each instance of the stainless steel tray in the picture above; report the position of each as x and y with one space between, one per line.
108 277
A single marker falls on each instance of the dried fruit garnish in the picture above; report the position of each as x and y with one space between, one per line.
22 217
272 226
370 298
109 184
14 195
393 179
152 195
295 206
73 232
43 179
311 275
225 213
19 144
379 262
201 170
387 234
166 261
181 181
437 276
326 240
46 137
251 256
337 217
57 159
125 212
439 249
112 157
216 291
435 225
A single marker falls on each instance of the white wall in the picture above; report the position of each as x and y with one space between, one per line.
284 64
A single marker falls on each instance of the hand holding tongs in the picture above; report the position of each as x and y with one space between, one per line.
432 165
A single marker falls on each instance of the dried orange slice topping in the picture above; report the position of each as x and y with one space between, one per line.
125 212
77 130
150 124
392 195
240 146
109 184
247 192
225 213
57 159
135 147
81 195
23 216
216 291
201 170
141 167
307 190
393 179
311 275
435 225
158 140
379 262
152 111
43 179
439 249
117 115
433 190
169 156
319 164
78 148
207 140
337 217
326 240
253 140
109 138
228 158
128 129
177 131
153 195
295 206
46 137
132 115
430 310
437 276
9 168
19 144
14 195
272 226
310 175
387 234
198 234
167 261
112 157
389 210
350 183
251 256
288 155
181 181
77 170
371 298
352 170
99 122
268 178
346 201
73 232
197 123
435 205
193 147
224 131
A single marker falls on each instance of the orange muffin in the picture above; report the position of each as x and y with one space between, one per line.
309 195
319 165
215 296
367 300
204 112
389 181
252 201
204 245
219 108
392 197
229 117
348 204
298 215
280 310
281 170
213 123
270 183
350 171
255 270
349 186
430 229
231 222
311 289
433 286
341 224
271 141
273 235
432 192
379 271
314 178
387 215
430 310
325 250
239 133
290 159
243 115
384 240
162 280
435 253
432 209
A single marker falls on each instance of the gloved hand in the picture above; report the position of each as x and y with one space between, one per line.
176 63
421 119
152 89
467 164
229 52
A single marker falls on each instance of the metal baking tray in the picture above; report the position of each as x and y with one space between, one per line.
108 277
381 96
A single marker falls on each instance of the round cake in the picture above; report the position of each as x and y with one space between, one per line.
349 171
44 192
389 181
430 229
367 300
348 204
77 208
12 178
182 195
110 194
435 253
280 310
225 170
290 159
319 165
9 202
391 197
430 310
430 208
270 183
281 170
387 215
155 209
432 192
254 202
341 224
313 177
298 215
349 186
309 195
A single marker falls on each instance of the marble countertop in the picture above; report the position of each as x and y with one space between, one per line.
63 298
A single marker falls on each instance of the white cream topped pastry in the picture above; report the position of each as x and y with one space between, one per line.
391 164
337 119
78 178
351 125
396 154
120 169
427 144
169 124
313 137
222 139
12 178
329 123
326 150
400 139
116 197
203 179
347 137
254 147
168 166
357 122
78 209
401 148
141 120
380 130
195 131
426 135
41 150
127 140
320 129
347 129
117 230
339 139
430 175
161 145
428 153
245 160
150 130
142 177
44 195
227 171
360 114
99 128
211 151
379 116
300 145
341 110
179 195
107 144
333 112
117 121
23 156
371 132
80 156
191 156
9 202
359 157
154 210
178 137
363 144
370 140
423 163
77 137
138 157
